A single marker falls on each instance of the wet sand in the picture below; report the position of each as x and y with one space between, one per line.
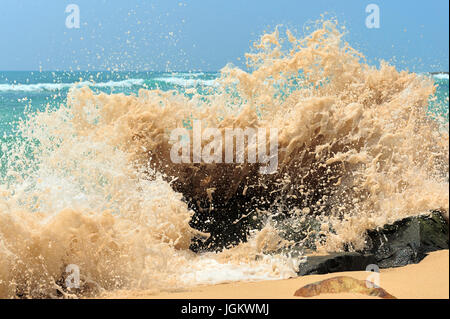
428 279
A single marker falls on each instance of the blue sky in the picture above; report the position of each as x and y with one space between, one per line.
207 34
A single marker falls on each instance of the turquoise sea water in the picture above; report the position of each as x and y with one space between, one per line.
24 92
440 105
37 90
20 90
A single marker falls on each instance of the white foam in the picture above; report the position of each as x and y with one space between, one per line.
187 82
441 76
192 74
39 87
210 271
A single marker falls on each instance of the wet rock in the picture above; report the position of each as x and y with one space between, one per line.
404 242
335 262
408 241
305 232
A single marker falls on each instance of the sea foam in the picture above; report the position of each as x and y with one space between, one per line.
39 87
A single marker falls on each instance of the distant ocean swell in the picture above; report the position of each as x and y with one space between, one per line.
441 76
183 80
187 82
39 87
179 80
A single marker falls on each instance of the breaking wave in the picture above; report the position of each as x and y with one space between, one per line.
97 188
39 87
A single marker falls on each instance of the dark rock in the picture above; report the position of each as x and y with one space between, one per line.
303 232
408 241
336 262
404 242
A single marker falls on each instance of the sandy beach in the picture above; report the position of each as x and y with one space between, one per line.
428 279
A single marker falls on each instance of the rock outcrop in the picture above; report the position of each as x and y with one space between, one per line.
404 242
408 241
336 262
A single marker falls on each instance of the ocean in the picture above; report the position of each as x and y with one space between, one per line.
22 92
87 181
37 90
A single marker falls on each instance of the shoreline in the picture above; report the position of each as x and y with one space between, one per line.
428 279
